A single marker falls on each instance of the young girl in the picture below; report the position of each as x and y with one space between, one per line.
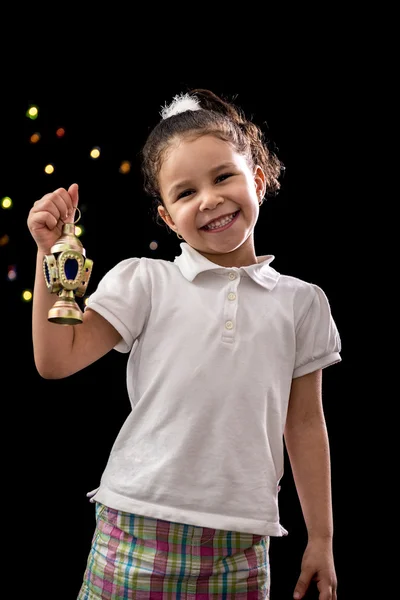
225 362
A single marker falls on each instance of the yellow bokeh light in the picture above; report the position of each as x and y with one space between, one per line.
125 167
27 295
32 112
78 230
49 169
95 152
6 202
35 137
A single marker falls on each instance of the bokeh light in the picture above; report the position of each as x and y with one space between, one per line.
95 152
35 137
27 295
49 169
32 112
125 167
6 202
12 273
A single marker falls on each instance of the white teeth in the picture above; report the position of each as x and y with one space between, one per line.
221 222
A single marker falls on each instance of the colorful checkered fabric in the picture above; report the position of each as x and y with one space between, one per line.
136 557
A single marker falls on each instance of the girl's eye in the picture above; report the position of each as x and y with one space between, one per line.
184 194
219 179
223 177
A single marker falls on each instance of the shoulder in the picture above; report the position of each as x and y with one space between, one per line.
139 266
149 274
306 296
301 290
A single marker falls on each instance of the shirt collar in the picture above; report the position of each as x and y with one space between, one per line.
191 263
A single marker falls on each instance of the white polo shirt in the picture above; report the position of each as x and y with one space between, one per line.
212 353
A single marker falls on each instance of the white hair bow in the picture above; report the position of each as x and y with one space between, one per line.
180 103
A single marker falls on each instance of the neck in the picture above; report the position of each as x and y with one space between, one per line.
243 256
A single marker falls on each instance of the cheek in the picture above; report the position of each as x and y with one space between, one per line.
246 189
185 215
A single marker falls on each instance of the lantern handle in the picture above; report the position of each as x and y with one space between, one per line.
79 215
76 220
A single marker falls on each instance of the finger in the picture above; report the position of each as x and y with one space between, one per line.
58 203
326 591
62 195
73 191
44 219
327 594
302 584
49 204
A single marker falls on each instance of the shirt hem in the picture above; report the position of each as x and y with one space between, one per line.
320 363
125 344
185 516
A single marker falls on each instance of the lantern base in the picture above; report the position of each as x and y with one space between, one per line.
65 312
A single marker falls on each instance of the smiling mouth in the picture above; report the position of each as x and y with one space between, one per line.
225 223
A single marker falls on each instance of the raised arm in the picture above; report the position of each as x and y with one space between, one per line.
60 351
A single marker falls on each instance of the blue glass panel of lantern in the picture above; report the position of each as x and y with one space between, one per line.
47 272
71 268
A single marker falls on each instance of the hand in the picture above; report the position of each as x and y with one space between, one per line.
317 565
48 215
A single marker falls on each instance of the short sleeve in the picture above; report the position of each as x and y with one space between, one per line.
121 297
318 343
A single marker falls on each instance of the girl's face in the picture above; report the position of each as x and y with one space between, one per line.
212 198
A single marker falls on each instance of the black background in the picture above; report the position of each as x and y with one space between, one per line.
58 434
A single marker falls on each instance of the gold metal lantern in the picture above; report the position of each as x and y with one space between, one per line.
67 272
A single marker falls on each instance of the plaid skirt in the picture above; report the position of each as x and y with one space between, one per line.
141 558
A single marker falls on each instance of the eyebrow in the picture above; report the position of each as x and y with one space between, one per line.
186 182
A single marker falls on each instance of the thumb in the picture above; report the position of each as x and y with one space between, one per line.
302 584
73 191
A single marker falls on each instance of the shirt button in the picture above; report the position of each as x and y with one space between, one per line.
229 325
232 276
231 296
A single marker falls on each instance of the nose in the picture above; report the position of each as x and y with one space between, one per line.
209 200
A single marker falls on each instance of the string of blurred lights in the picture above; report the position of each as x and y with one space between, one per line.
6 203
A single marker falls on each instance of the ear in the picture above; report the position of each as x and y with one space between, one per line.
166 218
260 182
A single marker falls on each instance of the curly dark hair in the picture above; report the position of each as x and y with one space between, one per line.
216 117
